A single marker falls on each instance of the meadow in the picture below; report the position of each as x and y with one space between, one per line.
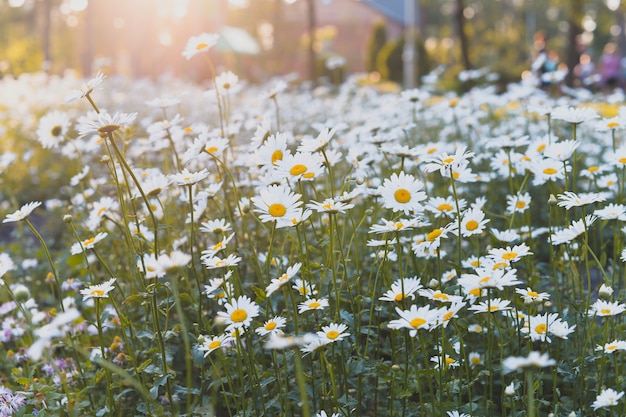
231 249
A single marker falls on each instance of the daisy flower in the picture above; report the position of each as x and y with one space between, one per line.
313 145
547 169
334 332
508 236
395 226
445 162
509 254
185 177
611 212
215 226
322 413
22 213
604 308
239 313
273 325
414 319
533 360
228 81
219 289
276 283
90 243
215 262
612 346
52 129
531 297
473 222
574 115
475 359
561 151
86 89
607 398
437 295
312 304
301 166
99 290
448 312
401 289
402 193
493 306
209 344
272 150
216 248
577 228
277 203
305 289
518 203
329 205
200 43
441 206
538 327
569 199
105 124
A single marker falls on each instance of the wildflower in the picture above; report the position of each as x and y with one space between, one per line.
99 290
56 328
473 222
277 203
534 360
507 236
323 414
447 361
304 288
329 205
228 81
607 398
334 332
414 319
530 297
577 228
448 312
90 243
487 276
395 226
216 248
492 306
22 213
446 163
312 304
574 115
273 325
509 254
605 291
209 344
561 151
612 212
52 129
569 199
547 169
272 150
105 207
215 262
457 414
215 226
276 283
441 206
318 144
86 89
105 124
510 389
301 166
604 308
437 295
219 289
402 193
518 203
612 346
433 238
401 289
200 43
475 359
538 327
239 312
11 402
188 178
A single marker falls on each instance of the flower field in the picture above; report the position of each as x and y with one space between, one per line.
282 250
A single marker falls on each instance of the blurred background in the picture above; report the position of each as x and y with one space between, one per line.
396 40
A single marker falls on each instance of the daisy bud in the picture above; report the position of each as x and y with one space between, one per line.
509 390
433 283
395 367
360 180
605 291
552 200
105 159
67 218
21 293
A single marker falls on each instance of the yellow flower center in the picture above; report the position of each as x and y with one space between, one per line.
277 156
475 292
612 124
433 235
212 149
520 204
594 168
448 315
238 315
277 210
270 326
56 131
448 160
399 297
476 360
471 225
402 195
449 361
398 225
215 344
611 348
327 206
417 322
494 308
622 160
509 255
441 296
541 329
499 265
201 46
89 241
605 311
297 169
308 175
444 207
484 280
332 334
541 147
549 171
314 304
456 175
532 294
218 246
97 293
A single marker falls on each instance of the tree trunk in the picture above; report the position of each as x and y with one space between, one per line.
460 27
573 48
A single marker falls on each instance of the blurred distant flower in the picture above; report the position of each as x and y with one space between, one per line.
607 398
22 213
200 43
52 129
86 89
574 115
99 290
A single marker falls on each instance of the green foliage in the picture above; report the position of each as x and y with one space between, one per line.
389 60
375 43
